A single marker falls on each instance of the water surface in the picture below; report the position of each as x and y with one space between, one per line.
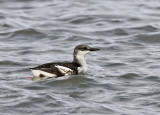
123 77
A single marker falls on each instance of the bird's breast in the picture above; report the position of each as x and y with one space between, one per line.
82 70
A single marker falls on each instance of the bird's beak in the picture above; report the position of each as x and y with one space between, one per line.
94 49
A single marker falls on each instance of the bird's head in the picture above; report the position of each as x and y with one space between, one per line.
83 49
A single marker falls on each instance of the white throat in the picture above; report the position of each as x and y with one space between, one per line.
81 60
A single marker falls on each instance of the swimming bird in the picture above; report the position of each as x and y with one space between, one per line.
58 69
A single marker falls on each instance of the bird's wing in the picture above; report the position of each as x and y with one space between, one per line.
62 70
57 69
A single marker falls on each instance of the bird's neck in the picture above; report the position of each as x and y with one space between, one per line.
81 61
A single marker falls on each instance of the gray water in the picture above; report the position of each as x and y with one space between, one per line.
123 77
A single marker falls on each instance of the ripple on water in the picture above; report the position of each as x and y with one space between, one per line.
25 32
78 38
119 32
148 38
153 78
129 76
72 82
11 63
82 20
147 28
113 32
112 64
69 81
122 98
123 77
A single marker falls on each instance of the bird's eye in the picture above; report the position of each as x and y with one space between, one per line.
84 49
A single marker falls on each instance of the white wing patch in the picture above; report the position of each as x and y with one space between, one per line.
36 73
64 70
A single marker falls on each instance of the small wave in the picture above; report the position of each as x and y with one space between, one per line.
122 98
100 110
154 67
76 80
116 32
114 48
82 20
153 78
129 76
25 32
10 63
119 31
78 38
147 28
2 17
134 19
75 19
80 81
91 19
150 93
114 64
148 38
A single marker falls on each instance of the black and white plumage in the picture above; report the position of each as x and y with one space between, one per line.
77 66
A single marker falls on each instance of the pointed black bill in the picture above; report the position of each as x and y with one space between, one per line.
94 49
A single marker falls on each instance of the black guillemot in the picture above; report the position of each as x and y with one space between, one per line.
58 69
